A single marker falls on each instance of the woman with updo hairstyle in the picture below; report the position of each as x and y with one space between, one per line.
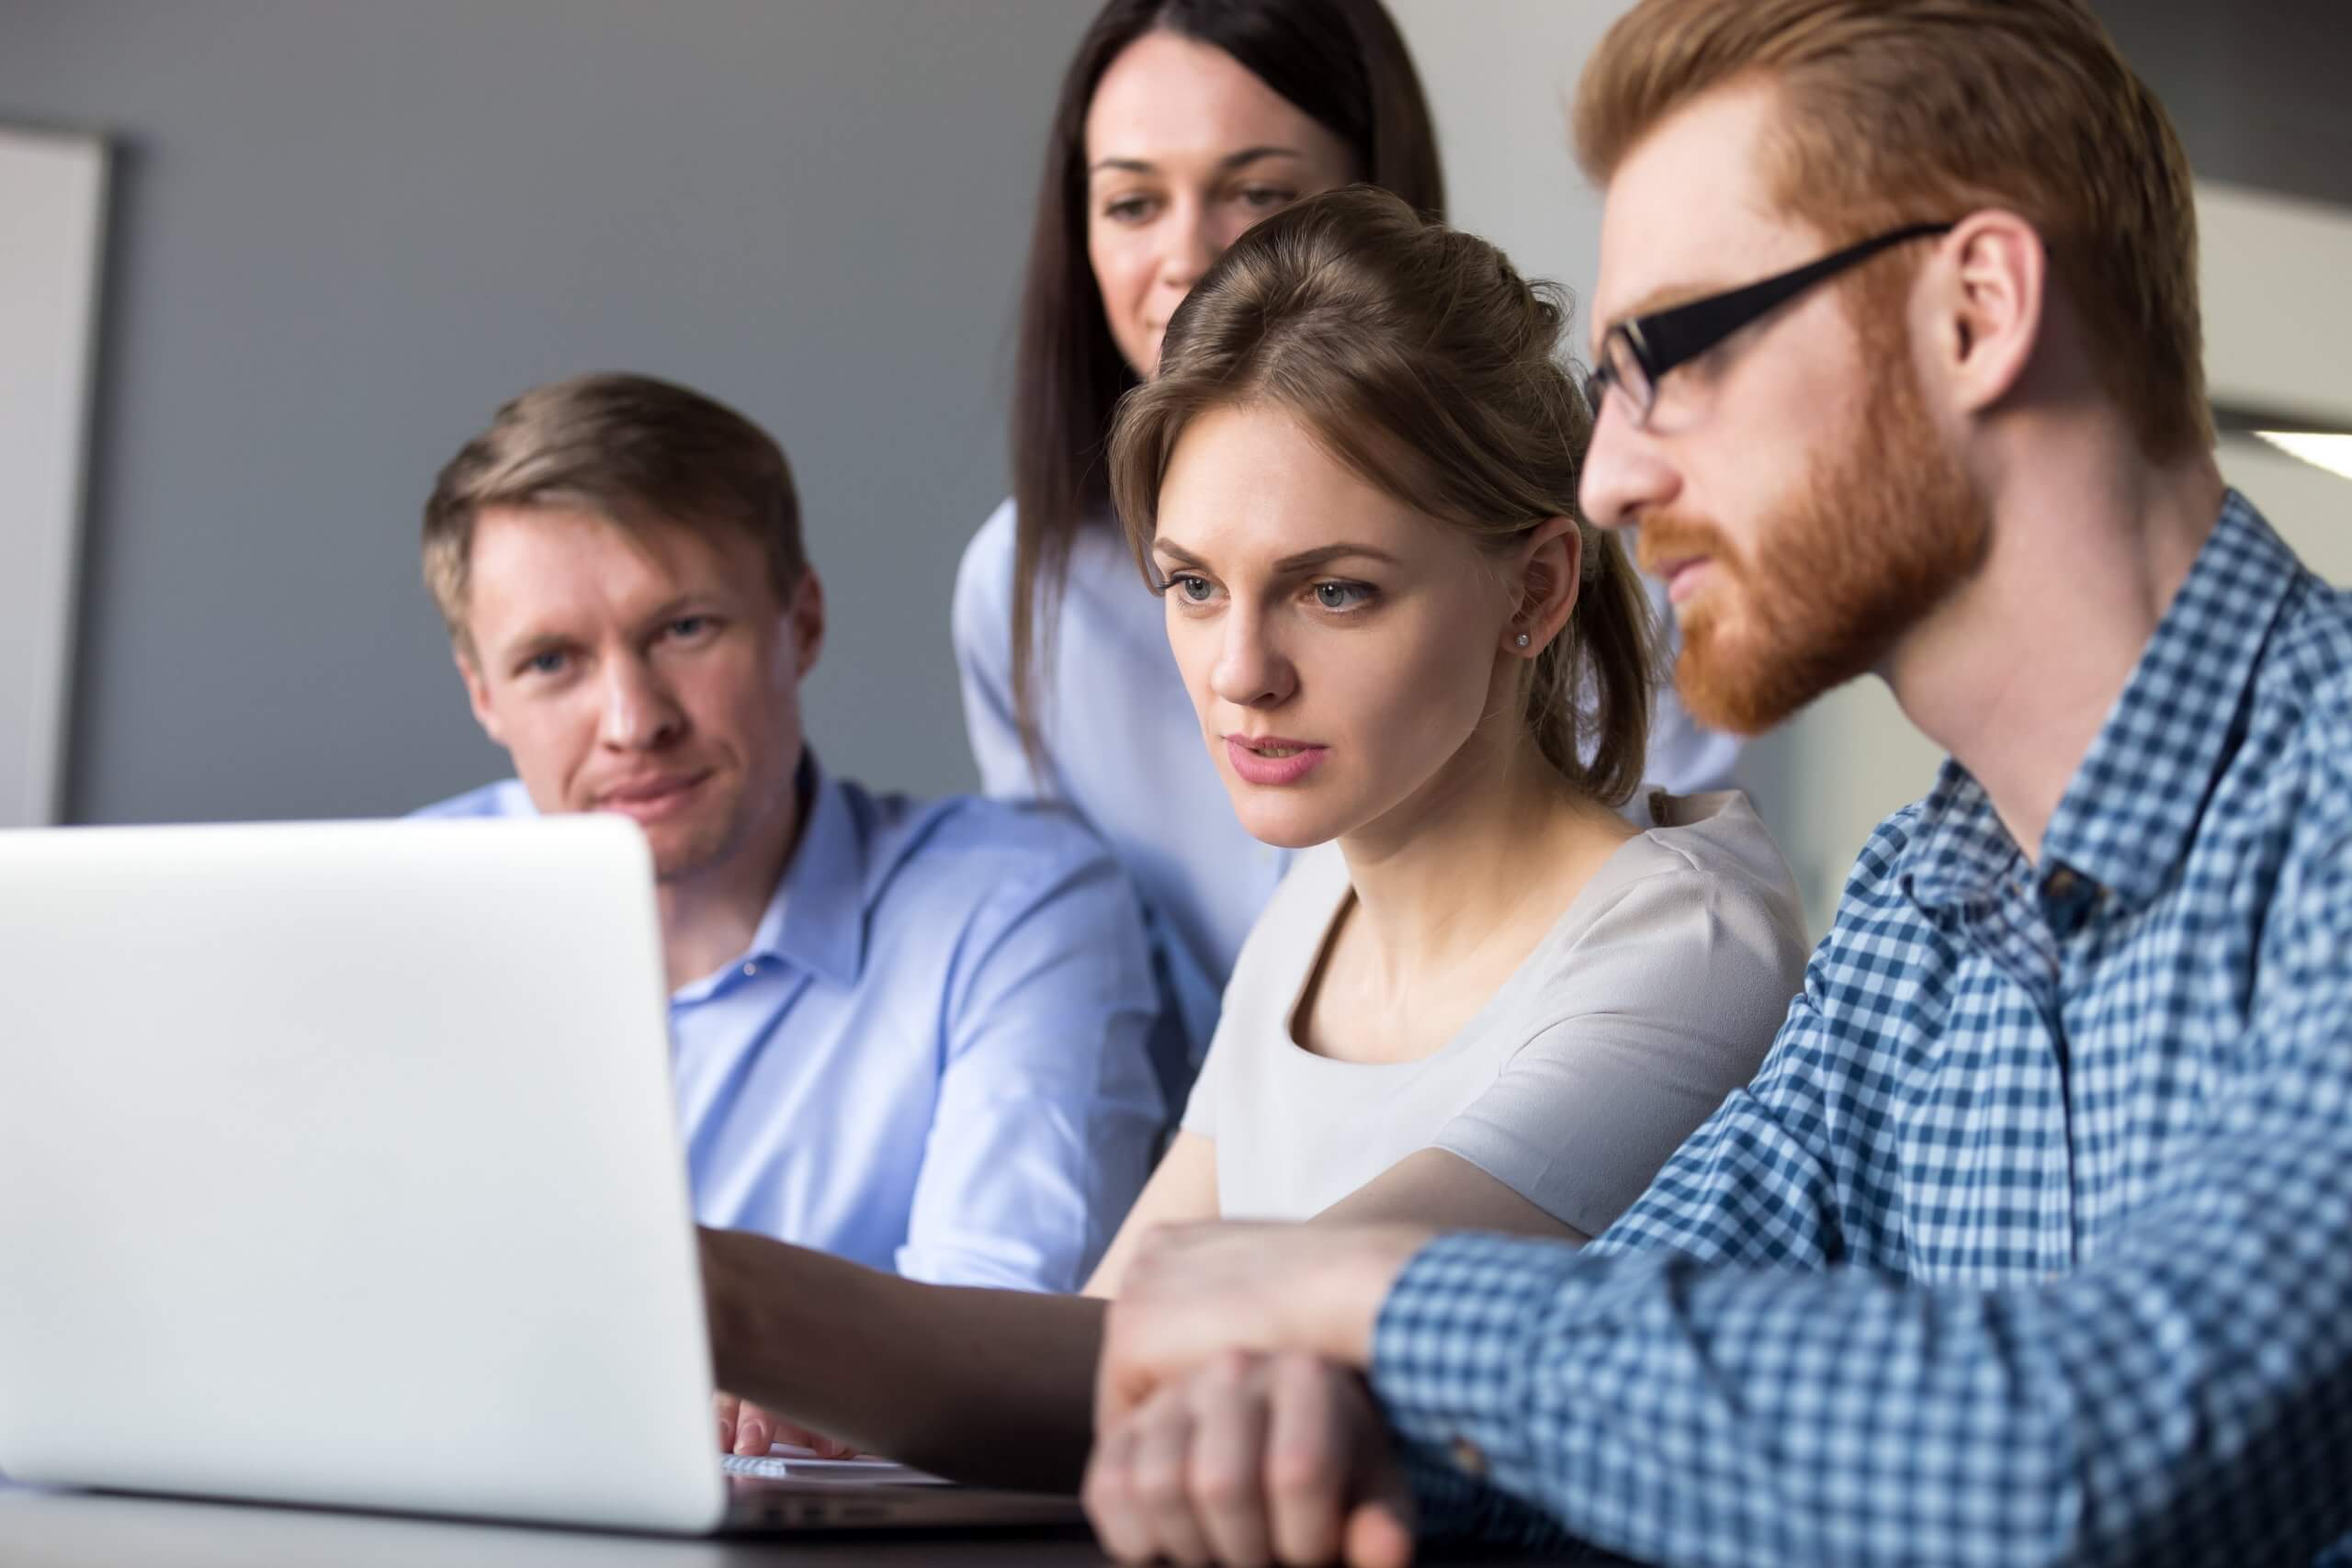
1179 124
1483 999
1353 482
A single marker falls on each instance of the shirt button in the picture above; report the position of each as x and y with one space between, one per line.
750 970
2061 883
1468 1457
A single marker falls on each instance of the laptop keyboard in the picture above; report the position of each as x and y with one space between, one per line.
807 1467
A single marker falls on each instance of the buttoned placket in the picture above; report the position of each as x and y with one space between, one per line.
2011 929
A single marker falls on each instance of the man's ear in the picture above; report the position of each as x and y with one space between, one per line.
805 619
1987 295
1551 570
477 691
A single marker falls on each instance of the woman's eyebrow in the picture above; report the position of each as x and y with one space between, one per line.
1306 560
1230 161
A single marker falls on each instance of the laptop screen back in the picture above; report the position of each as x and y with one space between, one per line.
338 1165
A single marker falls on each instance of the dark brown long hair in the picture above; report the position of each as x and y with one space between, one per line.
1342 63
1421 360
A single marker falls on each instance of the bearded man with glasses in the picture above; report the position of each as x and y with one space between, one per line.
2032 1241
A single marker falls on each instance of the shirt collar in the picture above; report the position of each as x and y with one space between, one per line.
817 919
1959 848
2127 816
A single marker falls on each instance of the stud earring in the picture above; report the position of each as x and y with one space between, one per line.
1522 640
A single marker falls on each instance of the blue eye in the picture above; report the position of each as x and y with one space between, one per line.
548 663
689 626
1342 596
1192 589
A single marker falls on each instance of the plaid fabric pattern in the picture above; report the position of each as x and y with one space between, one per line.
2032 1241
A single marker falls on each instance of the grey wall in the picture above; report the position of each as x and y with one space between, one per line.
343 232
2256 88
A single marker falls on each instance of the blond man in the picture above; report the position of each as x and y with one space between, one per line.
910 1033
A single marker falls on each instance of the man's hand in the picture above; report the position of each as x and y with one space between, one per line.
1195 1292
745 1429
1252 1460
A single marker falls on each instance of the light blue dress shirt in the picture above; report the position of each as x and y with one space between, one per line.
1124 750
930 1059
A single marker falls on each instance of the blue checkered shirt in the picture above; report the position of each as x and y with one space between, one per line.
2032 1241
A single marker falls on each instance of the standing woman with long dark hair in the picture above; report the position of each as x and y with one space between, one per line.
1181 123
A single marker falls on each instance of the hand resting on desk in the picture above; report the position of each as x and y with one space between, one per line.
1252 1459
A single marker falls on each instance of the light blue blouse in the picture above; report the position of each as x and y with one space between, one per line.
1123 748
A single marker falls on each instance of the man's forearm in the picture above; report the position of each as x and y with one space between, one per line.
1675 1413
980 1385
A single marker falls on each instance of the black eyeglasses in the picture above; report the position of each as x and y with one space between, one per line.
1639 351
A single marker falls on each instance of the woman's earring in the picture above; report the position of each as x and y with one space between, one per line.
1522 640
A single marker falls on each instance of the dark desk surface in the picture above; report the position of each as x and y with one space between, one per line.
63 1529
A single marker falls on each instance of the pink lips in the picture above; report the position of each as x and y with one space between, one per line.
650 800
1683 577
1247 754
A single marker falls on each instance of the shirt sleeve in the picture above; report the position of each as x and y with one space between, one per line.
1047 1109
980 625
1672 998
2184 1397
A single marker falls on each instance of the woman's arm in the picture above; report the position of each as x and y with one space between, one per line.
983 1385
1183 1190
990 1386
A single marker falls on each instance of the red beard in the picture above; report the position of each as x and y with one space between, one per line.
1881 533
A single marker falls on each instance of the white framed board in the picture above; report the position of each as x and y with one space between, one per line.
52 222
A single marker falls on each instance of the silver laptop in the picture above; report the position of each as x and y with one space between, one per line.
338 1165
